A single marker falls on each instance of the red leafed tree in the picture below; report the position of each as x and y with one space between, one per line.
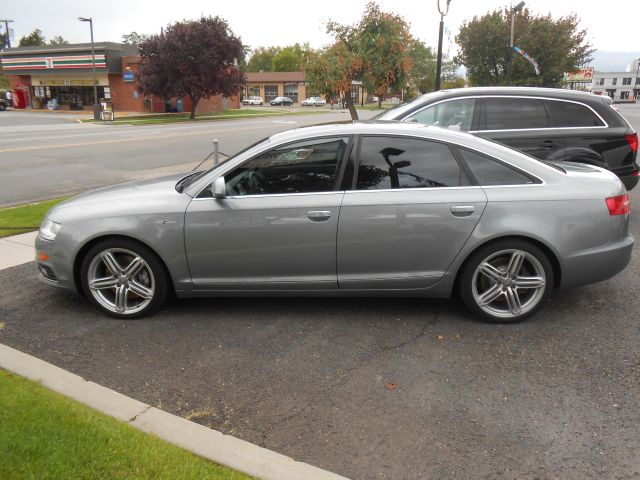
198 59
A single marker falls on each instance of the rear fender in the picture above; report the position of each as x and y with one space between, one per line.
585 155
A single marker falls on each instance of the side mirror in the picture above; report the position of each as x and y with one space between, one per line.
219 188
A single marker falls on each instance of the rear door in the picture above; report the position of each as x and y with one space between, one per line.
521 123
410 212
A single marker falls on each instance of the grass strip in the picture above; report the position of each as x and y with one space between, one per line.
45 435
25 218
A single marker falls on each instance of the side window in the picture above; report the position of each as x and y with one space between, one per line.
504 113
303 167
454 114
491 172
567 114
397 162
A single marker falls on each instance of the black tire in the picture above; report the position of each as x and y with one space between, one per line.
472 281
3 107
152 275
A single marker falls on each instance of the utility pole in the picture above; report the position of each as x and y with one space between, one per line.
443 13
514 10
96 106
6 31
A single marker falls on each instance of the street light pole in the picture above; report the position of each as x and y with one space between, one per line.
96 106
6 31
514 10
443 13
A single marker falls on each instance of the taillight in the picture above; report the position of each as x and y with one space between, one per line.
632 140
618 205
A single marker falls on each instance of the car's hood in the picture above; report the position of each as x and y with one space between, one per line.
127 191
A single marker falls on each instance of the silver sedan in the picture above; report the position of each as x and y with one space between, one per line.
363 209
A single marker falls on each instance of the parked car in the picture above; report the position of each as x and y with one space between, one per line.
282 101
378 209
549 124
252 101
313 102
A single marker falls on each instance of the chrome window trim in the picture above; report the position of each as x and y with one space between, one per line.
605 124
410 134
270 195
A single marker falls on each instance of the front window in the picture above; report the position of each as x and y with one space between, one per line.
398 162
454 114
303 167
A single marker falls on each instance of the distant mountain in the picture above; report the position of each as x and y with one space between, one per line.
613 61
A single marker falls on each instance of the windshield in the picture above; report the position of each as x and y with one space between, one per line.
189 180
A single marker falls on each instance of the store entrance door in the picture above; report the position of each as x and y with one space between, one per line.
75 99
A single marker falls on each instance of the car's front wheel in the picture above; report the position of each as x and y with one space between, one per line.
124 278
506 281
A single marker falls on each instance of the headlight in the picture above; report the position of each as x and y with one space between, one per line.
49 229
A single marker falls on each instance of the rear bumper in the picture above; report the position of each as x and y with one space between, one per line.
596 264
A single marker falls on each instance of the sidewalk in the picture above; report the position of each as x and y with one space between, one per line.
17 250
203 441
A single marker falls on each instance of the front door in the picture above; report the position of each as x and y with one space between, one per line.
276 229
411 212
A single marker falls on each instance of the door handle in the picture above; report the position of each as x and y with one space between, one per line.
547 144
462 210
319 215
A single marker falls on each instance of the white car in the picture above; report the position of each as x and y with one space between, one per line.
252 101
313 102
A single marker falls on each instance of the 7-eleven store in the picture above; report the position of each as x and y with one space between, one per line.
63 74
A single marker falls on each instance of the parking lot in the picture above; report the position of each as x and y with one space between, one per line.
372 388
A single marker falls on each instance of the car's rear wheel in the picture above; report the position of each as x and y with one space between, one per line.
124 278
506 281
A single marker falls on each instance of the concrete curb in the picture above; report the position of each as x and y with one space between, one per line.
223 449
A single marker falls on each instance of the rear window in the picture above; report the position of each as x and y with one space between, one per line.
492 172
568 114
505 113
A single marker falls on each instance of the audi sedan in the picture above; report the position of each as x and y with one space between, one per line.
382 209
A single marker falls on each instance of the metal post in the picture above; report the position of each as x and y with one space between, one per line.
6 31
96 105
439 63
439 60
514 10
216 152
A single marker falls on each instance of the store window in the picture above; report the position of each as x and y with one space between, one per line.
624 95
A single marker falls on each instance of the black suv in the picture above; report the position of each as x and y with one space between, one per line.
547 123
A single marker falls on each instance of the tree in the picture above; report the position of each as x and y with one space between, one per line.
383 42
423 71
557 46
58 41
195 58
34 39
291 58
134 38
262 59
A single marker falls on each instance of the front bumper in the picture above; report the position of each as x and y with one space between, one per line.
57 269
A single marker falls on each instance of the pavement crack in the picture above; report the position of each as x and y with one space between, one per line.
135 417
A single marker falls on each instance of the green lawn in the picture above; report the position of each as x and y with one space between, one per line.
44 435
184 117
27 216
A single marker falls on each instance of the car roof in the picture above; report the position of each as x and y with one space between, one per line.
557 93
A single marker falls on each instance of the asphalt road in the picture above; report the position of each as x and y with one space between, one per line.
47 155
373 388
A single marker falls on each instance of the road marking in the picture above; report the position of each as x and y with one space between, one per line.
124 140
283 121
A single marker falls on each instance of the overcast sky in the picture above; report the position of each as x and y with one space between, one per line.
611 27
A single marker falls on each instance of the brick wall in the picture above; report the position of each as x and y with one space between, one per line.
123 94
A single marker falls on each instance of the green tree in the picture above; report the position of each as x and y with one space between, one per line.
557 45
383 42
291 58
58 41
332 70
261 59
34 39
423 70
